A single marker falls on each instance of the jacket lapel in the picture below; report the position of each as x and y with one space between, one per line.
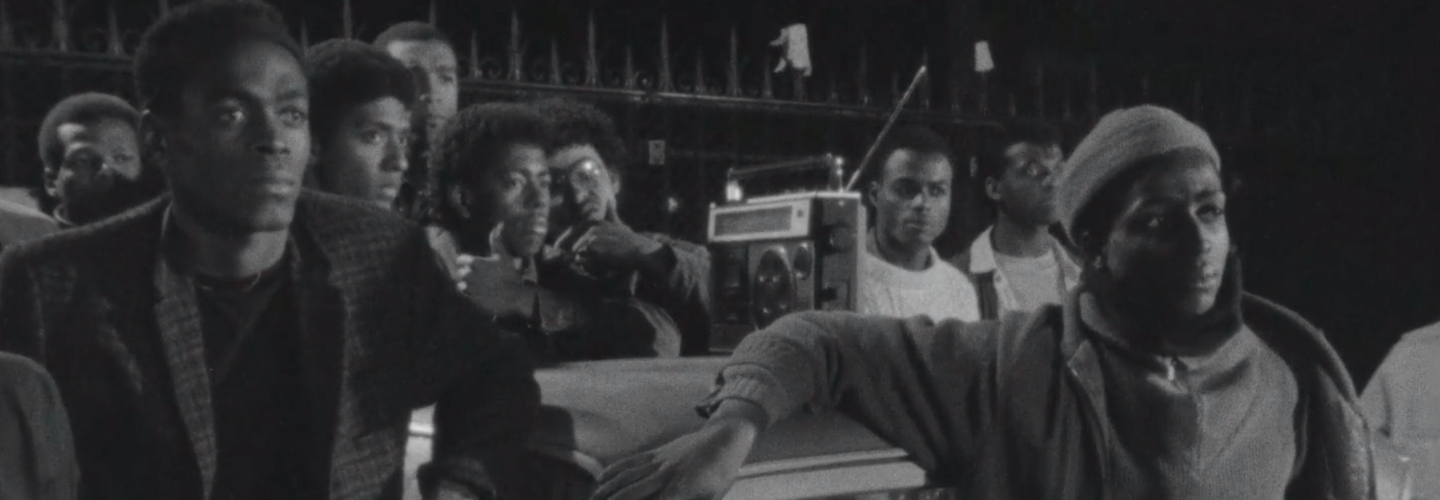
177 314
322 326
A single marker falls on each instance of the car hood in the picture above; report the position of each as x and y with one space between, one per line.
596 413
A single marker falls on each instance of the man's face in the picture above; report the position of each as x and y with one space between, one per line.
582 190
436 60
1167 249
364 157
238 143
912 201
97 155
1025 191
519 193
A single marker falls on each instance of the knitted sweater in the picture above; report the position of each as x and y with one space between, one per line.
1019 408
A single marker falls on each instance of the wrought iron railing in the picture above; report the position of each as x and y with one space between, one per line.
710 120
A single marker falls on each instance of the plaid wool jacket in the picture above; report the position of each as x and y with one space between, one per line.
383 331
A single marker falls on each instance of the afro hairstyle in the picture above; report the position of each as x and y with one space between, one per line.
346 74
471 145
580 123
86 108
190 35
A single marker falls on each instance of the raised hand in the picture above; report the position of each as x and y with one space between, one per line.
615 246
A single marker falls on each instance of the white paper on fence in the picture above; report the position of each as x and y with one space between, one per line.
796 42
983 61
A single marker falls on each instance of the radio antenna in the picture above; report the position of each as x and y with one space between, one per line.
905 99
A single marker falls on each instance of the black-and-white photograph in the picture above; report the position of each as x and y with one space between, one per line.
738 250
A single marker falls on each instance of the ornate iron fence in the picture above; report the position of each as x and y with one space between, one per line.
707 120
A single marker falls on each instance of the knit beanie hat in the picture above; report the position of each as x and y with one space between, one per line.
1117 143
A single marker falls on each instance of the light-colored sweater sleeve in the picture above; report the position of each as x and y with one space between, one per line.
927 388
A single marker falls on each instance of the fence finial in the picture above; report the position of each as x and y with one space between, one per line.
862 75
516 62
667 82
732 72
925 84
631 80
7 32
112 27
60 26
348 28
767 87
555 62
475 55
592 58
700 72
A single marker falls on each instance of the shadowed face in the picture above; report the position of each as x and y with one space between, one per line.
97 156
435 60
1025 191
519 193
1167 249
912 200
364 157
582 189
237 145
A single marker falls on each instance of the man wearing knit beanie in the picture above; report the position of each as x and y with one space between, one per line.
1157 378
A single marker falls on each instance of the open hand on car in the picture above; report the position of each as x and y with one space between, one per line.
701 465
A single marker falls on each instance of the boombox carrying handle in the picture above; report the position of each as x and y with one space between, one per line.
828 161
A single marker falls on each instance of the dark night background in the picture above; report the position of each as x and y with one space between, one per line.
1336 222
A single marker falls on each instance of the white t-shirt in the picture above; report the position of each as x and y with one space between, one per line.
941 291
1034 280
1402 401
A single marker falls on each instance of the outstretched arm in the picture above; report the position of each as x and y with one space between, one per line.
924 387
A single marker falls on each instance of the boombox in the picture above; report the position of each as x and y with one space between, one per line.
779 254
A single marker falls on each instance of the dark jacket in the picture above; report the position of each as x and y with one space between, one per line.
19 223
683 292
1017 408
37 461
383 331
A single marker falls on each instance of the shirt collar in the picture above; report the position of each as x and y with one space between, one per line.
525 265
982 253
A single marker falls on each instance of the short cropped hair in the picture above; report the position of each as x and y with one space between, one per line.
992 157
346 74
915 138
471 144
86 108
412 31
190 35
579 123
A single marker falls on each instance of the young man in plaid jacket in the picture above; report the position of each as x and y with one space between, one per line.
245 339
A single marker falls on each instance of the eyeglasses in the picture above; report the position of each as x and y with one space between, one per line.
584 176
